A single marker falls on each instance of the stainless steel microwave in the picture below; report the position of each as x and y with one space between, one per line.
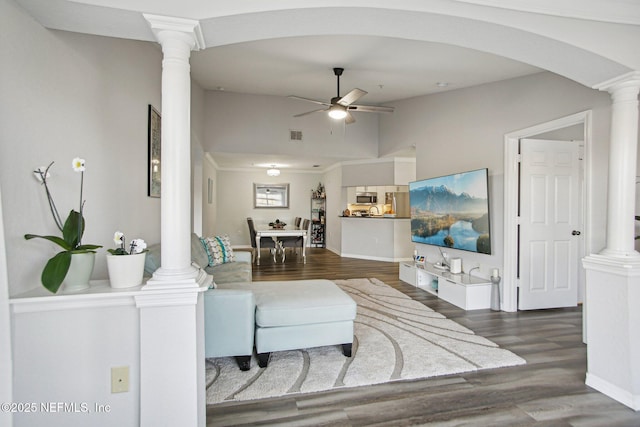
367 198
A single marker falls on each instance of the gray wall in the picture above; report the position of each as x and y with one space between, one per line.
73 95
464 130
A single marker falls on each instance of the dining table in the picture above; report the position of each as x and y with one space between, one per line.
275 233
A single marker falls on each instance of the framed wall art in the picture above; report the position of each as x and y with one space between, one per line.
154 167
270 195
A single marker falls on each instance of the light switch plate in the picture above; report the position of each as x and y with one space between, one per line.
119 379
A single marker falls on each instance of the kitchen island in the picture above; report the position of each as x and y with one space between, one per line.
378 238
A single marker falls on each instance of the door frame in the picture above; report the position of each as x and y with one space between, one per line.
511 193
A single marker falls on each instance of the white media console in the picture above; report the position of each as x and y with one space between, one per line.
465 291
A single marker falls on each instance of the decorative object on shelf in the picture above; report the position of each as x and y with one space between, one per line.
154 132
277 224
57 268
79 273
126 267
318 193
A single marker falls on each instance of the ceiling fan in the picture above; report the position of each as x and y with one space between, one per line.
340 107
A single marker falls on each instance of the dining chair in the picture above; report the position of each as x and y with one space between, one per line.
265 242
296 222
295 242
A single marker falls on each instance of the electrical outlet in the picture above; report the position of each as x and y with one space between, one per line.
119 379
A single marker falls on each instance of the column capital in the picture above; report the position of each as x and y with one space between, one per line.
163 25
628 80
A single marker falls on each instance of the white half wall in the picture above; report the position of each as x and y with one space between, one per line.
66 355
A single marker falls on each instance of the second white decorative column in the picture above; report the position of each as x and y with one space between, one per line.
613 276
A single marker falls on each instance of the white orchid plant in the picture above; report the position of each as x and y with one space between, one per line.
136 246
72 230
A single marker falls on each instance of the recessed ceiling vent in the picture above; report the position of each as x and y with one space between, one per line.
295 135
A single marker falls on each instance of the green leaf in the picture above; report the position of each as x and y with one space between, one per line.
55 271
70 228
55 239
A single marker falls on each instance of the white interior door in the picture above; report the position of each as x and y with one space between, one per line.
549 224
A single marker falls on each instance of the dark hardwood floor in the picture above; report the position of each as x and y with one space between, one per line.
548 391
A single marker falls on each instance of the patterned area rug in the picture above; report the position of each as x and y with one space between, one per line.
396 338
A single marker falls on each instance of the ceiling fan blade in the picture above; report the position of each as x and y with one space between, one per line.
351 97
349 118
309 112
308 100
371 108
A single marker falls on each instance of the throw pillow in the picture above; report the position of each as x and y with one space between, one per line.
219 250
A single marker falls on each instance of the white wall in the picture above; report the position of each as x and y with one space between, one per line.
238 123
235 201
464 130
73 95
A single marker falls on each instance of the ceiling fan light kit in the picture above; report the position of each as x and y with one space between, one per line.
337 112
338 107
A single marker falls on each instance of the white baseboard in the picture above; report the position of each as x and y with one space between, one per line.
613 391
374 258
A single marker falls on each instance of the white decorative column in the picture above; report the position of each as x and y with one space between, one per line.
172 386
177 38
613 276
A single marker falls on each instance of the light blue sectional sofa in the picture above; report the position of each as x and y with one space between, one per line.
271 316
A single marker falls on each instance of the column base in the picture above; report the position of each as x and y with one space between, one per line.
612 322
170 279
623 255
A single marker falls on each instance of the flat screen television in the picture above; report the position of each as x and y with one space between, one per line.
452 211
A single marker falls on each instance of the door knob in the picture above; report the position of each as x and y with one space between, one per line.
575 233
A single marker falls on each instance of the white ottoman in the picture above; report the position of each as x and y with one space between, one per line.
301 314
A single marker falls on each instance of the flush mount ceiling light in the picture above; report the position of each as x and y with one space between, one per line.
273 171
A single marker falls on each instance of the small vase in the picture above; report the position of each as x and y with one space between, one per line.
125 271
79 274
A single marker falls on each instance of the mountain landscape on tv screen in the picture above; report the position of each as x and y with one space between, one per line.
442 217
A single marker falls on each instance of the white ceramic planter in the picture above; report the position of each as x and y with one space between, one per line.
77 278
125 271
